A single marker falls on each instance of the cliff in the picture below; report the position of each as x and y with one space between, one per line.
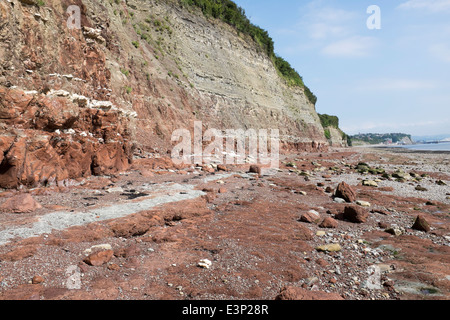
336 137
81 101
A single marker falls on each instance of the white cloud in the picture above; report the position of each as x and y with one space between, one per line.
324 22
430 5
352 47
441 51
322 30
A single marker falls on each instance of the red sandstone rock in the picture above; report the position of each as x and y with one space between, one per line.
51 139
421 224
345 192
99 258
37 280
329 222
310 217
223 190
221 167
22 203
355 214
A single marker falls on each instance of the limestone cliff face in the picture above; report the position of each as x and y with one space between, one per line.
81 101
336 137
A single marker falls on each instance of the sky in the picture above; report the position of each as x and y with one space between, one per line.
381 71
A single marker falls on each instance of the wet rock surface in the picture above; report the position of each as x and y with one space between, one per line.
246 243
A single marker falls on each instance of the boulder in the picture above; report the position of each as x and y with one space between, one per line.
421 224
22 203
311 216
355 214
345 192
99 258
329 223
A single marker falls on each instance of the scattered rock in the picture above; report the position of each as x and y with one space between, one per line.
333 247
37 280
115 190
322 262
441 183
383 225
255 169
311 216
421 224
355 214
223 190
99 258
105 246
221 167
339 200
22 203
370 183
113 267
399 174
345 192
329 222
395 231
363 203
381 211
205 263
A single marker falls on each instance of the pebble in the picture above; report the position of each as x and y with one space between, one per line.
115 190
37 280
339 200
105 246
394 231
205 263
363 203
370 183
333 247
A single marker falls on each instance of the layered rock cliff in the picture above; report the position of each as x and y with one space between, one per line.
77 100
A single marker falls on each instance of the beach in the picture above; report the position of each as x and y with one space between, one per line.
160 231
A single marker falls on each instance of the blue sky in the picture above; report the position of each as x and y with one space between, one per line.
393 79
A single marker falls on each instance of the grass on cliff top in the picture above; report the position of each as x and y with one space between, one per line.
232 14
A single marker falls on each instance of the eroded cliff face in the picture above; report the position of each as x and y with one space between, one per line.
336 138
82 101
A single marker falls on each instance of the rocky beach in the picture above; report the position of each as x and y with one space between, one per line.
348 224
94 96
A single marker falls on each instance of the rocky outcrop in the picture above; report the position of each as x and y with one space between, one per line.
52 138
76 101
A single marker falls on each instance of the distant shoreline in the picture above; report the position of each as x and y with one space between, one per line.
400 149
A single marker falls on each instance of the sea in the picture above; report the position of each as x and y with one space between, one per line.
443 146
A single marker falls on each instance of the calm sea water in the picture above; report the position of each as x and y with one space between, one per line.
429 147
